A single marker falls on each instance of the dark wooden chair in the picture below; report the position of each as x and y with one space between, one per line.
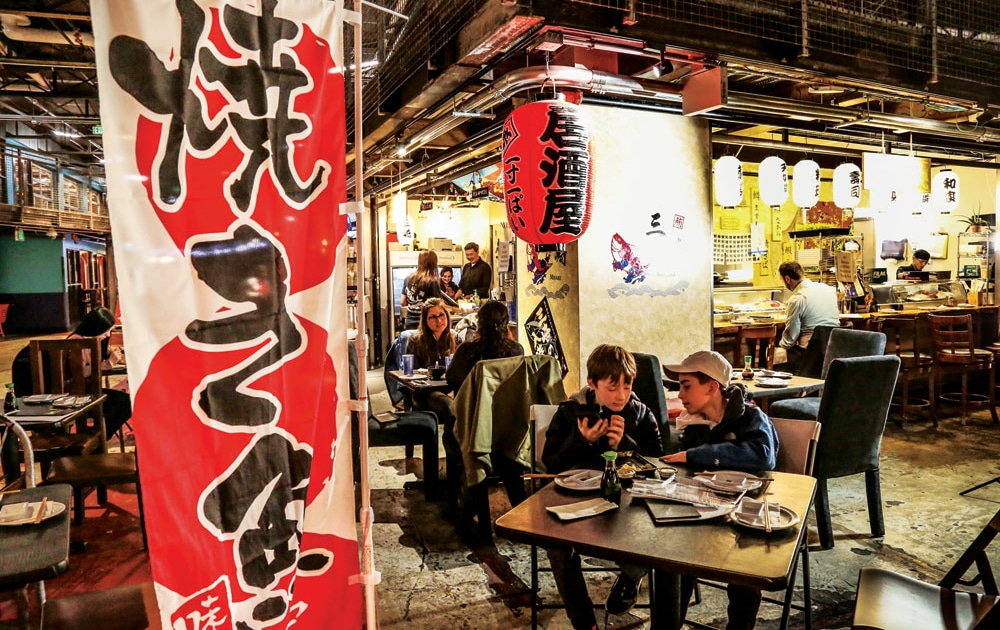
760 341
903 340
953 344
889 601
67 366
120 608
3 316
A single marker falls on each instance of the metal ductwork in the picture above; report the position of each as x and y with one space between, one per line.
654 92
16 27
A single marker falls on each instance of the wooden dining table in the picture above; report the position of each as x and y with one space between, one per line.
714 549
31 553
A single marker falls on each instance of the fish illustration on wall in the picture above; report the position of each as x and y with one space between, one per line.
624 259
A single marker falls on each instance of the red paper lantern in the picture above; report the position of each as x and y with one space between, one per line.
546 173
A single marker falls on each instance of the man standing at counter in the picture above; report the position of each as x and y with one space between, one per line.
920 258
477 275
812 304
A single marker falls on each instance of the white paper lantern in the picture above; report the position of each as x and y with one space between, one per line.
805 184
923 203
944 191
772 178
404 232
728 180
847 185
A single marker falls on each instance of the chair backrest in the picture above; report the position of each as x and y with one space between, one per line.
845 343
853 411
760 340
811 364
952 338
903 340
3 312
541 418
648 387
393 361
797 440
66 366
29 452
493 409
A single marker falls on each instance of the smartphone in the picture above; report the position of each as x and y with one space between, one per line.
593 413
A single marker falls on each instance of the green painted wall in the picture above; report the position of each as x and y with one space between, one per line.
34 265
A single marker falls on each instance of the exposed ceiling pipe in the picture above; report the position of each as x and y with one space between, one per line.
16 27
562 77
629 88
788 107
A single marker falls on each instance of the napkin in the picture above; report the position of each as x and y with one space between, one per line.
582 509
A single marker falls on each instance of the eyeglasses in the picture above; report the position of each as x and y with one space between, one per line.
438 316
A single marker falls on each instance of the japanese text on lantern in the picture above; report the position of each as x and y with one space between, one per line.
566 167
254 503
513 192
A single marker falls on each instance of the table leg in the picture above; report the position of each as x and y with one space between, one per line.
665 604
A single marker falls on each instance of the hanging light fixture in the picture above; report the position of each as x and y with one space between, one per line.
847 185
944 191
547 172
805 186
772 178
727 177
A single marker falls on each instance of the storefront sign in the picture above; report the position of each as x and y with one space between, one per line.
546 172
225 160
480 193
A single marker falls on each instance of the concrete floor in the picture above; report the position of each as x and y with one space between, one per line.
434 578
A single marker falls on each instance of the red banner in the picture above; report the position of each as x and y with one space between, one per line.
224 142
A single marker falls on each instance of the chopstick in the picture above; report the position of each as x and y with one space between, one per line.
539 476
41 510
767 516
708 473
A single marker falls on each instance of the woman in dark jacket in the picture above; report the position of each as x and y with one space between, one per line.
420 285
492 341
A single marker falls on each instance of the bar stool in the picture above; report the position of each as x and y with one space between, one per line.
903 340
952 340
760 342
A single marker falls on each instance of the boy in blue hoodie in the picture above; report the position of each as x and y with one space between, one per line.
720 429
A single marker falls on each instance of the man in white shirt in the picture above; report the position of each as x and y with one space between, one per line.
812 304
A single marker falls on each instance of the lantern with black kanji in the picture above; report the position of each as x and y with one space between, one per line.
546 173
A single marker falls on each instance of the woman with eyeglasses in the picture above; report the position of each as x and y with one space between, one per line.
434 340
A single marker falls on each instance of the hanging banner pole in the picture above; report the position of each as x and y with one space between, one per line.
369 576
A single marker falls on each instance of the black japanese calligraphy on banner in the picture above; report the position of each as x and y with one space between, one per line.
224 138
546 171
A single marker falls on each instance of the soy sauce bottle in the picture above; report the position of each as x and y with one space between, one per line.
611 485
9 399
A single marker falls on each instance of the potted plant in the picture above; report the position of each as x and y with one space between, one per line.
974 223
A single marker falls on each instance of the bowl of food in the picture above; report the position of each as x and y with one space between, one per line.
437 372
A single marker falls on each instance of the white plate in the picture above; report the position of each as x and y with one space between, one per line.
773 374
581 480
771 382
24 513
782 520
730 481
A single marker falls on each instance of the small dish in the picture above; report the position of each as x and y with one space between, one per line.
771 382
38 399
24 513
730 481
750 514
580 480
773 374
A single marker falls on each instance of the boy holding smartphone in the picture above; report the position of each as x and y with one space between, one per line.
577 437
